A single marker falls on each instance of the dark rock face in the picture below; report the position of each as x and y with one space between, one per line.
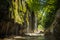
7 25
9 28
56 31
53 32
4 10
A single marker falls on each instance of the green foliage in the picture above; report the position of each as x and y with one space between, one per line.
53 2
15 12
44 8
40 27
39 17
48 13
22 6
33 4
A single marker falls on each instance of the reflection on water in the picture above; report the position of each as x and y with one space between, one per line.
35 38
29 36
25 38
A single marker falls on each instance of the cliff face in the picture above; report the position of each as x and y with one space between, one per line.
56 31
7 25
53 32
4 10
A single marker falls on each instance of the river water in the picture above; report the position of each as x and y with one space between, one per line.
39 37
25 38
30 38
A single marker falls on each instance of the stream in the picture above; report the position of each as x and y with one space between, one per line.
29 37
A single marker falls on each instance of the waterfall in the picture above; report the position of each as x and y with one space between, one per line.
35 25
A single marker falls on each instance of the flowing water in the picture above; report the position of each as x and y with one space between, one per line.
25 38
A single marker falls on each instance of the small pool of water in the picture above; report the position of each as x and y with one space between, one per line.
35 38
25 38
